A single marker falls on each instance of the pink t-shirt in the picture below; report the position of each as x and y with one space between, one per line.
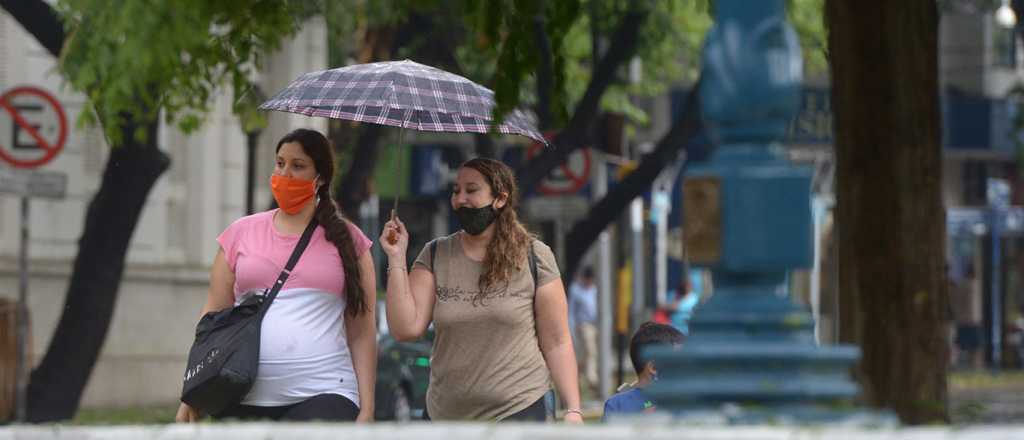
256 252
303 345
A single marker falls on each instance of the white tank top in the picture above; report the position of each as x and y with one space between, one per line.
303 350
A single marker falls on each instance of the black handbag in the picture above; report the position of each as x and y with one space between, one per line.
223 360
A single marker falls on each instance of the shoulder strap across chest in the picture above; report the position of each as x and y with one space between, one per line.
530 255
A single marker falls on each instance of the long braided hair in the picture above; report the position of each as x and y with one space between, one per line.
329 216
507 251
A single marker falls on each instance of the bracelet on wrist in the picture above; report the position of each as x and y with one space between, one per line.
574 410
389 268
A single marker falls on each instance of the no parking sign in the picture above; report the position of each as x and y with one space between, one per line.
33 130
570 176
33 127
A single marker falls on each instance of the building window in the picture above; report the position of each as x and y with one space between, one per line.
1004 42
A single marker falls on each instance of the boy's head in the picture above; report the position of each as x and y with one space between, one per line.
651 334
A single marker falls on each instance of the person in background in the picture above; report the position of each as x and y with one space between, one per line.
684 299
967 314
583 321
631 398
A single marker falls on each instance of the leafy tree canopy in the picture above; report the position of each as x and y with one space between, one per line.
497 43
143 57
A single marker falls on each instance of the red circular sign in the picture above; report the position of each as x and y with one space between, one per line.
570 176
40 117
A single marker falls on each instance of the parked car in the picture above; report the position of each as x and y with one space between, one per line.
403 373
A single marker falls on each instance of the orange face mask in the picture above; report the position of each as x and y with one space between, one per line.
291 193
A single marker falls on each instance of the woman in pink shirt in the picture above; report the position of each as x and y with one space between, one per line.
318 340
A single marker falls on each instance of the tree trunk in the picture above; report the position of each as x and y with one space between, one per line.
889 212
56 385
545 71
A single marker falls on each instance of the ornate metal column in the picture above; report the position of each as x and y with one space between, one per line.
751 355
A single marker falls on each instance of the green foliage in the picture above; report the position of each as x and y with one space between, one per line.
668 50
347 19
343 19
503 47
144 57
509 27
808 19
495 43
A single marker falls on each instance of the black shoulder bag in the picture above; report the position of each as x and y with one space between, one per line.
223 360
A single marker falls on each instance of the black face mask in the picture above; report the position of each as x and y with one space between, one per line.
475 220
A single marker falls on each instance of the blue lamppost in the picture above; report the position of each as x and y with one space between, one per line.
751 355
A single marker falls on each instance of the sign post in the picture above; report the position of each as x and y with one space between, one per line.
33 129
998 195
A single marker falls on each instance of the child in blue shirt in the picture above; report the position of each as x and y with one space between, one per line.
634 400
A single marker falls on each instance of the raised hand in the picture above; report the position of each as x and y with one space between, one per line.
394 248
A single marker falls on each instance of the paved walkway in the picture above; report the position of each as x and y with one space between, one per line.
423 431
987 405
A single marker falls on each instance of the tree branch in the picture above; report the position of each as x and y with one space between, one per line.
575 134
608 208
39 20
545 72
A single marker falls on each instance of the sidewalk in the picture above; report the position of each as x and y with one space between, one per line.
477 431
981 397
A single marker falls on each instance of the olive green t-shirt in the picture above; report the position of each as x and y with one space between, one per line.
486 363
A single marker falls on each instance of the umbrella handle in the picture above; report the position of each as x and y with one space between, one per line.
392 235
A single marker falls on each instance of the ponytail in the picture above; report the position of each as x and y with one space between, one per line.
337 231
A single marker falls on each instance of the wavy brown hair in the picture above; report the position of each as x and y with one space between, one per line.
335 225
507 252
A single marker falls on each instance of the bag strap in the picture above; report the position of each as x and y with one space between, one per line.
433 250
530 256
292 261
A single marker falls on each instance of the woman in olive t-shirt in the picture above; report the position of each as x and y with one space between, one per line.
500 334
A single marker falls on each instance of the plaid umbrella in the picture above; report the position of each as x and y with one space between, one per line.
403 94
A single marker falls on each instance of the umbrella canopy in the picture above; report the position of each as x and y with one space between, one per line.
403 94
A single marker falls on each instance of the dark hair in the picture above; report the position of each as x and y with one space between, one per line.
331 219
684 286
587 273
651 334
507 251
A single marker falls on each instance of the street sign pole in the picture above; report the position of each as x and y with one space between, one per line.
604 277
36 114
21 321
998 194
